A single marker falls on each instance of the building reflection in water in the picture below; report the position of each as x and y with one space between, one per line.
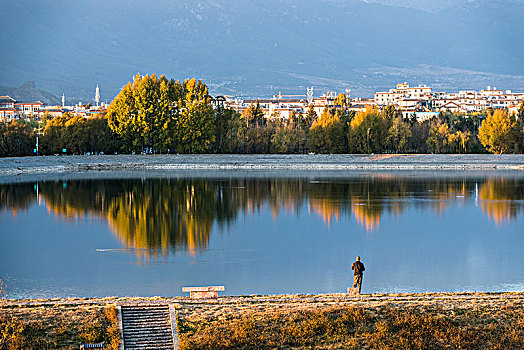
156 216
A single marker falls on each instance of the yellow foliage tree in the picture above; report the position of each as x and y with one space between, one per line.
367 132
499 132
328 133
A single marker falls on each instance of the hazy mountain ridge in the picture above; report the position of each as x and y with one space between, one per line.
28 92
424 5
436 6
259 47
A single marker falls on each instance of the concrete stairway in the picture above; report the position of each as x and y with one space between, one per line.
148 327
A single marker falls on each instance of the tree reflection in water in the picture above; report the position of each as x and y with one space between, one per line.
501 199
155 216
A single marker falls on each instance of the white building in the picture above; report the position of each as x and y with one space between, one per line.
421 98
29 108
403 91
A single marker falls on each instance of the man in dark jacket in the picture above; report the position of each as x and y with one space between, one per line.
358 271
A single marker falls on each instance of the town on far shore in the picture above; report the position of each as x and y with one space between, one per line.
413 101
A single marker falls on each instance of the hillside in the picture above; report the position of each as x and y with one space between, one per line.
29 92
265 47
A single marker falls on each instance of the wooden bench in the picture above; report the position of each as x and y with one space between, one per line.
203 292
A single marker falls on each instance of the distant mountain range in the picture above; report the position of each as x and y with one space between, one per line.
262 47
28 92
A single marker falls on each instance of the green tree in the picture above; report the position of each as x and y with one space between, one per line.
328 133
419 135
79 135
390 113
439 136
196 124
101 137
398 135
159 115
16 139
288 138
146 94
309 118
227 122
122 117
367 133
254 115
54 140
459 141
166 116
73 135
520 112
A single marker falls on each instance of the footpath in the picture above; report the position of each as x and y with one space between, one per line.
28 168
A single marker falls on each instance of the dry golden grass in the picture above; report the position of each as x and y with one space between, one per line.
343 327
327 321
57 327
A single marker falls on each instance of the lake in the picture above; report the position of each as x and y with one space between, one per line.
262 233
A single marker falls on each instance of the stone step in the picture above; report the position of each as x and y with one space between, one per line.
143 329
148 343
137 327
147 327
155 347
139 309
153 344
152 341
145 309
137 335
147 321
149 333
130 317
145 316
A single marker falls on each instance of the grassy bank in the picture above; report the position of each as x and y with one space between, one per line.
329 321
359 327
404 321
58 326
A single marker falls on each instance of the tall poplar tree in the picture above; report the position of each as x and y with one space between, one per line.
156 115
121 116
196 124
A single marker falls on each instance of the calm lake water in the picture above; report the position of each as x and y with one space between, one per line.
262 235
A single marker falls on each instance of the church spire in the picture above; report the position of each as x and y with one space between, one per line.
97 95
63 100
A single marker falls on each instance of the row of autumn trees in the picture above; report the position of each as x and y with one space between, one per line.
156 115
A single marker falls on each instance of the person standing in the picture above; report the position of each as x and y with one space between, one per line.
358 271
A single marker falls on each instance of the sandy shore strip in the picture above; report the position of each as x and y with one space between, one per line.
65 164
245 305
213 307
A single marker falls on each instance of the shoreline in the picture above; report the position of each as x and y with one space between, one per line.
272 298
11 168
